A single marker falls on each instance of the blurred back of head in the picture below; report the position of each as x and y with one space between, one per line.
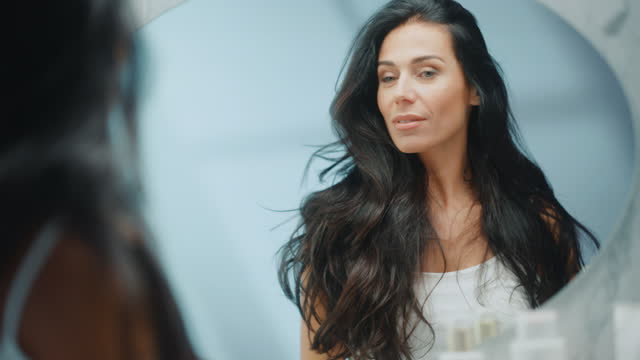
63 74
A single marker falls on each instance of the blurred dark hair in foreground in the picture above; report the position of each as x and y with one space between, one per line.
68 160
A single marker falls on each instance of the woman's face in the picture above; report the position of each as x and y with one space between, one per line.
422 92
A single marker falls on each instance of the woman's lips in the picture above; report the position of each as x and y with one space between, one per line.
407 121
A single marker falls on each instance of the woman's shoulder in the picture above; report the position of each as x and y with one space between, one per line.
80 298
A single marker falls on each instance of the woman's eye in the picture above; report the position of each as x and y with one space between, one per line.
386 79
427 74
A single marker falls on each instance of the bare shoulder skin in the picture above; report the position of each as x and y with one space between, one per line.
79 309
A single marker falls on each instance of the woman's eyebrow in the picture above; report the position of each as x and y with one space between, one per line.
413 61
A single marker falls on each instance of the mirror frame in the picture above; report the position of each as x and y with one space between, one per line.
585 307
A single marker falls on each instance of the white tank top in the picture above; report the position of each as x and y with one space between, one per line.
488 288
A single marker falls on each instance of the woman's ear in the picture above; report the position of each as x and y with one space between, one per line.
475 97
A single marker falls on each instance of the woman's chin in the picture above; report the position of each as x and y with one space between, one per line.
411 148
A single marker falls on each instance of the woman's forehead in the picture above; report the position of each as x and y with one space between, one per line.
417 39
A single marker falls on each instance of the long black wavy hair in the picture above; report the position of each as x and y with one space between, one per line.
351 265
67 66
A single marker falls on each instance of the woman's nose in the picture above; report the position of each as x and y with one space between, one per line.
405 91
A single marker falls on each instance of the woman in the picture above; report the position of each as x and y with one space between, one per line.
77 278
431 184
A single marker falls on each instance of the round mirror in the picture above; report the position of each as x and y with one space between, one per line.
237 91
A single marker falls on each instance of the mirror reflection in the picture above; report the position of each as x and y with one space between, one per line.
436 186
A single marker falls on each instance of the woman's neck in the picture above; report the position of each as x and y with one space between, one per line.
448 174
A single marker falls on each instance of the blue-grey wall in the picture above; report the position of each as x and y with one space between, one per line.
235 93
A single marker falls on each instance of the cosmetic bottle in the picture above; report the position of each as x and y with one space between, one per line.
486 327
626 326
467 355
460 335
537 337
